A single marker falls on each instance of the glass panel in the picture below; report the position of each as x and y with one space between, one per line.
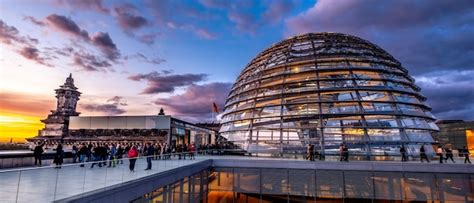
301 77
334 74
419 187
388 186
275 181
301 98
302 183
384 134
247 180
222 179
374 96
452 187
358 184
381 121
329 184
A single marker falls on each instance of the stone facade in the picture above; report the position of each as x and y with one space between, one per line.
57 122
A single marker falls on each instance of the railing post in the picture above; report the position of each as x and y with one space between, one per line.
56 184
18 187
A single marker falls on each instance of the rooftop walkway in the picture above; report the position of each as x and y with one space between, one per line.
47 184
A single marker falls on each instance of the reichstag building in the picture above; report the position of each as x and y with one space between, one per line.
327 89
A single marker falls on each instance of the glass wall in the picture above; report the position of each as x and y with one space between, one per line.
301 185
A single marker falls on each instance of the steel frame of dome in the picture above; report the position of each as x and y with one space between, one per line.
326 89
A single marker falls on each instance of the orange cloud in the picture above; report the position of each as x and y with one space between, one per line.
26 104
20 115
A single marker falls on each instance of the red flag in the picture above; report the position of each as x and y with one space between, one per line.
215 109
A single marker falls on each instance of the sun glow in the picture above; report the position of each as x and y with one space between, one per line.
17 127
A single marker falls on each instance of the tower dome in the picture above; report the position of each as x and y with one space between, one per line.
326 89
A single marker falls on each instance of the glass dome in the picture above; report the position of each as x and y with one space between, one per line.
326 89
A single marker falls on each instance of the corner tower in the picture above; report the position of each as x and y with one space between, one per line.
57 122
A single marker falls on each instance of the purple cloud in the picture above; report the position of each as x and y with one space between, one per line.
277 10
143 58
34 20
117 100
94 5
165 82
128 17
89 62
196 102
203 33
108 109
10 35
103 41
67 25
32 53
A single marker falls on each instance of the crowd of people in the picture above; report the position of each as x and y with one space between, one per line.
444 154
112 154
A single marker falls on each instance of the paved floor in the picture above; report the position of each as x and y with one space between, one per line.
49 184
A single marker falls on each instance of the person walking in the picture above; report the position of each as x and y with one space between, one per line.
82 153
310 152
96 154
449 154
120 152
345 152
38 153
112 155
149 153
58 157
132 158
192 151
184 150
423 154
465 153
440 152
341 153
403 153
179 149
75 156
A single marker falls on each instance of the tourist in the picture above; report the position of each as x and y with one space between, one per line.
191 150
345 152
89 152
403 153
465 153
96 155
449 154
423 154
185 150
74 153
162 150
58 157
38 153
341 154
168 151
120 152
103 153
179 149
440 152
149 155
132 158
112 154
310 152
82 153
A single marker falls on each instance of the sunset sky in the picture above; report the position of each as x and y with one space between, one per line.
133 57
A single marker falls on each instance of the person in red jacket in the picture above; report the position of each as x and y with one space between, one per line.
191 150
132 157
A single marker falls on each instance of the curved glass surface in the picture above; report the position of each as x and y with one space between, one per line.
326 89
